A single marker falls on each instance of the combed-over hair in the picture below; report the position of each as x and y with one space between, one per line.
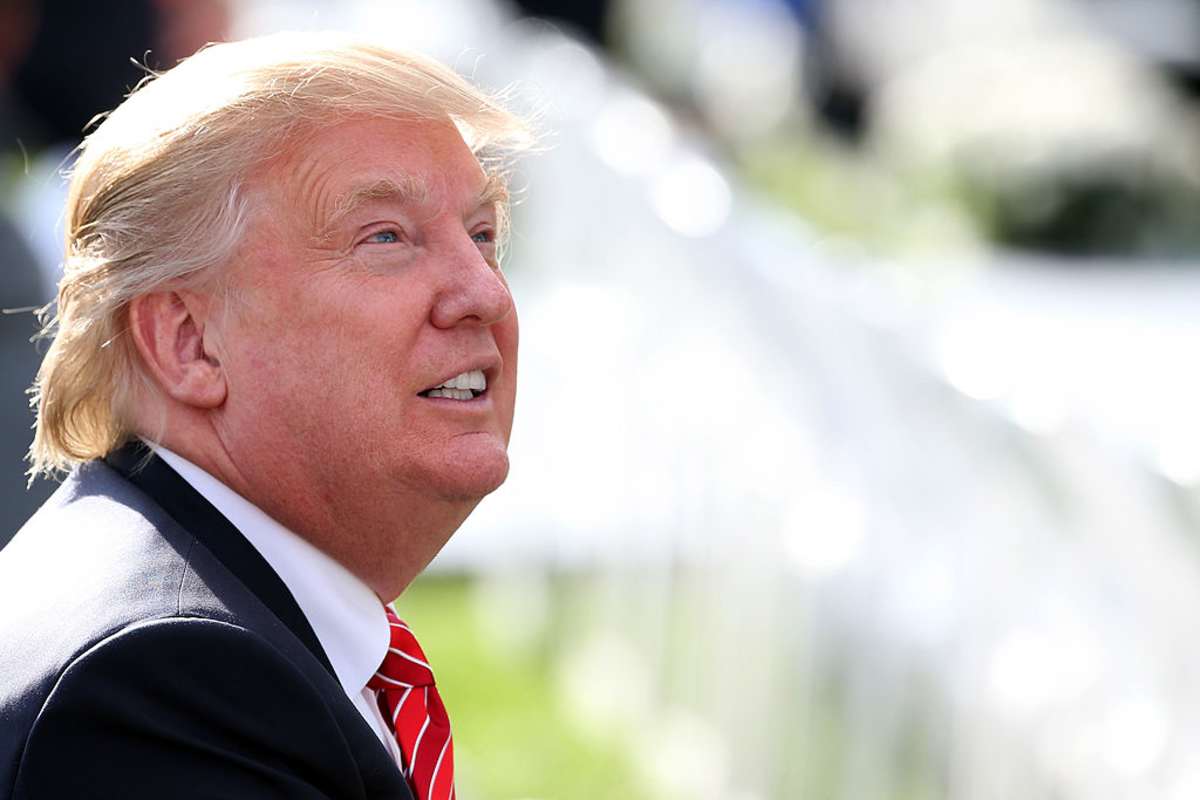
158 199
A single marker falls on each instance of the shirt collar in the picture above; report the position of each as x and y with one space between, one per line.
347 617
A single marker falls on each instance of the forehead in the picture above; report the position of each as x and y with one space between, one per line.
424 162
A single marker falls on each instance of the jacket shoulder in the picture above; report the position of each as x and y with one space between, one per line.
95 558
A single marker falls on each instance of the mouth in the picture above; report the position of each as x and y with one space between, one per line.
463 386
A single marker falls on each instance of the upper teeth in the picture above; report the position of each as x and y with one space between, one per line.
473 379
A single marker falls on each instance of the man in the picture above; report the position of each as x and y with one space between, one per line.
283 374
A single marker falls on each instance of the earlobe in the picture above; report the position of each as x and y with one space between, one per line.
168 329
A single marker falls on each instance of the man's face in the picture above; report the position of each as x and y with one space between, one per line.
368 278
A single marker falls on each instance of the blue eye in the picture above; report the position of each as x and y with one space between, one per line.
383 237
483 237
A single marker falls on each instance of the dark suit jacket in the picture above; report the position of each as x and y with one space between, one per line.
148 651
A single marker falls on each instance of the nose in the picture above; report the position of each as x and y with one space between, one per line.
475 292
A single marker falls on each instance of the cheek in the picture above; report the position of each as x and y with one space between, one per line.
330 346
281 357
507 337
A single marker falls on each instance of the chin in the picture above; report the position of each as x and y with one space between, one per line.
473 478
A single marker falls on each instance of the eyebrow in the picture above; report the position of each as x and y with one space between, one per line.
494 192
409 189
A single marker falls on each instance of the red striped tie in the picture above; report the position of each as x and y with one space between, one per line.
408 697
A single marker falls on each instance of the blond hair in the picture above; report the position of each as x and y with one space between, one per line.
157 198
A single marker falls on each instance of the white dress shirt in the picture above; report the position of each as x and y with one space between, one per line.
347 617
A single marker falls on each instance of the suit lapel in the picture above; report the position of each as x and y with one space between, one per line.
200 518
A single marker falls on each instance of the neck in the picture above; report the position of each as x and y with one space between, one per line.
385 536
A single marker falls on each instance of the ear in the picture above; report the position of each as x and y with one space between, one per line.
168 330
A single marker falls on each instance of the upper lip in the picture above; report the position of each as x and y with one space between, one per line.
489 365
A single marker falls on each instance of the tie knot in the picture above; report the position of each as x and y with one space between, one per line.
405 665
